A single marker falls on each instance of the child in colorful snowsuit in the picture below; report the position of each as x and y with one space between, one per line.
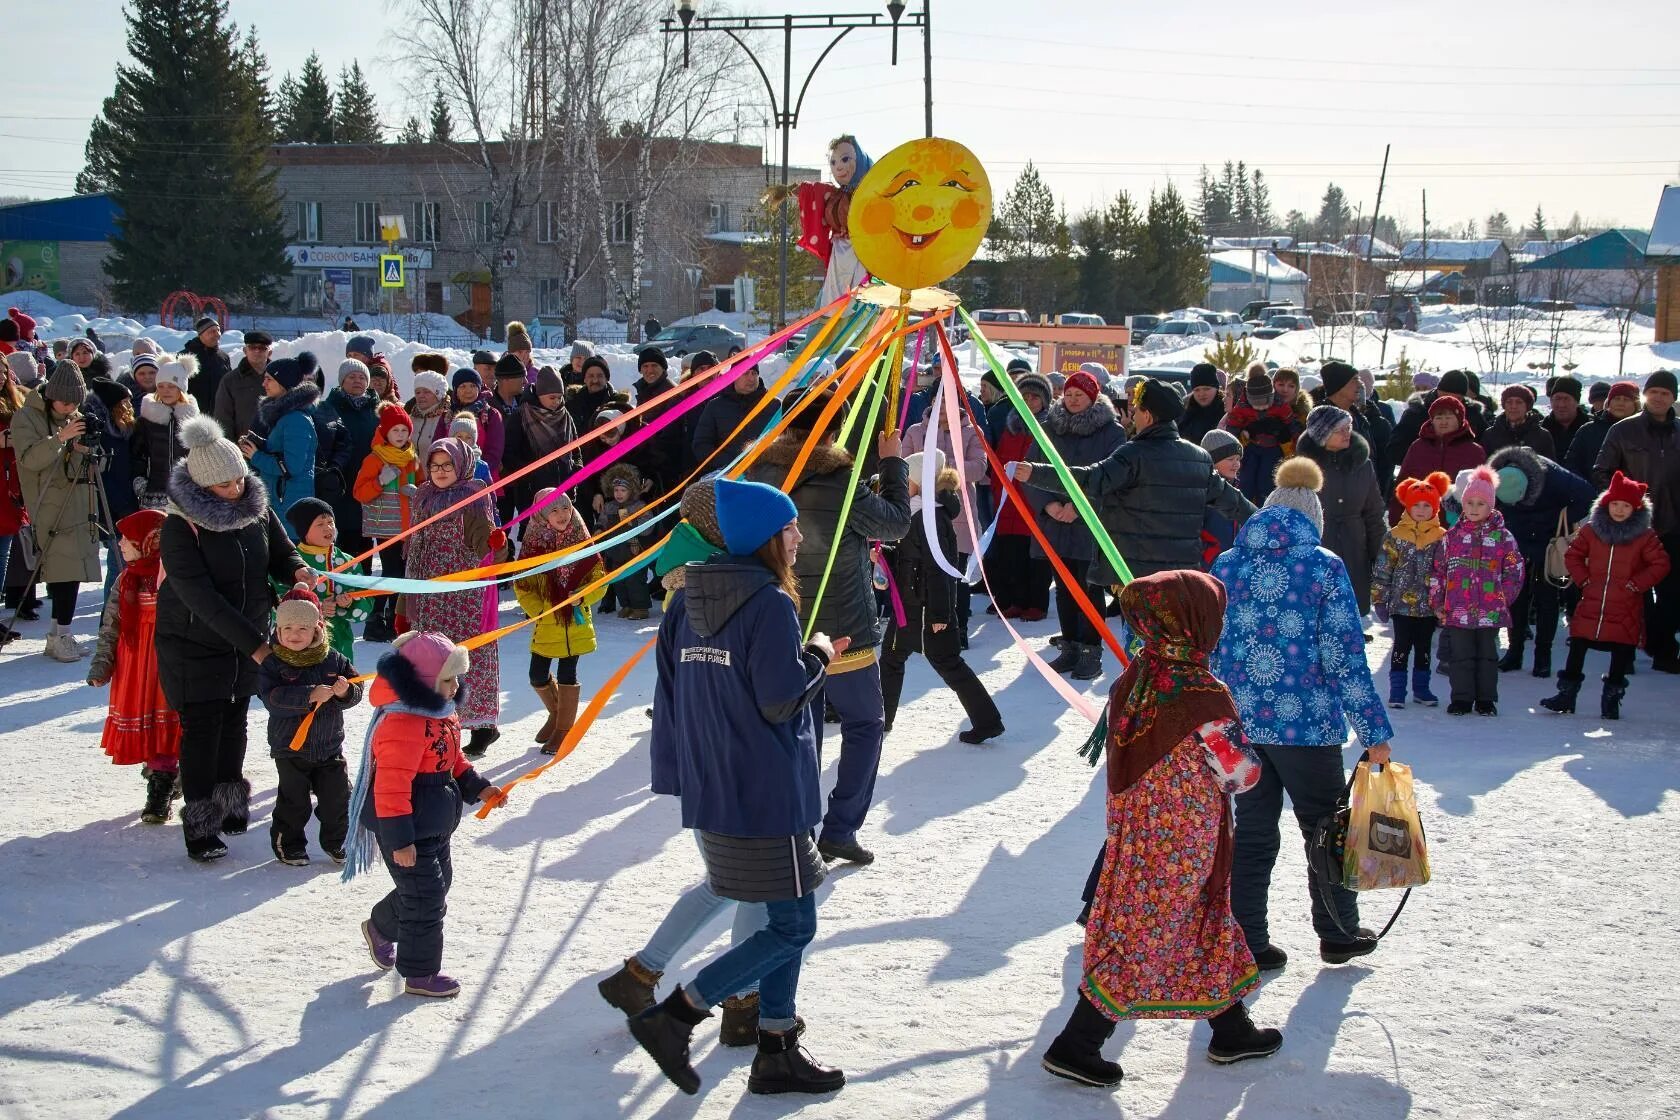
929 597
1400 585
408 800
1267 428
624 483
388 474
304 674
140 727
1476 576
315 527
561 636
1615 559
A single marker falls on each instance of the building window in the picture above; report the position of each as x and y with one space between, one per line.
548 223
309 290
548 295
620 224
428 219
308 222
717 217
365 291
367 222
485 221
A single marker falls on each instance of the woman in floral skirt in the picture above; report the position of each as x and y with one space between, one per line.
1160 942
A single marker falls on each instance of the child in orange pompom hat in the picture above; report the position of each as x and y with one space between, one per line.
1400 584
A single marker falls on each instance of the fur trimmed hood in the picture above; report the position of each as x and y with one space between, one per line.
1619 533
156 412
218 515
826 458
412 694
305 396
1059 421
1531 463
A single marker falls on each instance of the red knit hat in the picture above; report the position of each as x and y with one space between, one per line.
1627 389
298 607
1624 489
25 324
1429 491
391 415
1447 403
1518 390
1085 383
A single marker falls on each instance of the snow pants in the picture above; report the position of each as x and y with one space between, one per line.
945 656
1472 657
412 914
328 781
212 745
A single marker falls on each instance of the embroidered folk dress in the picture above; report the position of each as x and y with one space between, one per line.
441 549
140 727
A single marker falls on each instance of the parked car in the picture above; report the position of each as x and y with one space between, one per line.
1080 319
1279 325
1173 375
1141 326
1368 319
719 339
1002 315
1254 311
1225 324
1171 333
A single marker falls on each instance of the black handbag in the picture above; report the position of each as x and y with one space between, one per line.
1327 849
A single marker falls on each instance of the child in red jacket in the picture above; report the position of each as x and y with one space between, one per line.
418 777
1615 559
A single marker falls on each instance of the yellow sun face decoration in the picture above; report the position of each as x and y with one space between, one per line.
920 214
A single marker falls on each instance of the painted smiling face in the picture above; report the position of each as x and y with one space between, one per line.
921 212
842 162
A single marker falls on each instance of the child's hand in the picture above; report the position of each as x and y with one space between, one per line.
498 539
320 694
99 682
940 627
344 600
328 608
341 688
404 856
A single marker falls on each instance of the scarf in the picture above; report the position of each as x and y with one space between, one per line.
403 458
302 658
430 500
561 583
1418 534
545 428
136 579
1167 691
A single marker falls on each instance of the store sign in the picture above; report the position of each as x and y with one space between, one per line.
1071 355
352 256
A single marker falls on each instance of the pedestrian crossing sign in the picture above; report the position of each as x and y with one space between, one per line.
390 270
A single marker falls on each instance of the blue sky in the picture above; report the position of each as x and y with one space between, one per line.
1490 105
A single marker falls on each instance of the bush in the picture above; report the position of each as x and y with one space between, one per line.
1232 355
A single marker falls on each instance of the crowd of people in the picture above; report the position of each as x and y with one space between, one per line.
1264 523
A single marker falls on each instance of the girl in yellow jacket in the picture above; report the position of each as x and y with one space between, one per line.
561 636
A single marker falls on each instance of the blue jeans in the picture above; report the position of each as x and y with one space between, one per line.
690 914
1313 778
772 957
114 564
857 697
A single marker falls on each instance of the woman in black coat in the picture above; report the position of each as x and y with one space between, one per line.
1355 521
221 545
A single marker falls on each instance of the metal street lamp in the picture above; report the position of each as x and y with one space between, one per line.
786 109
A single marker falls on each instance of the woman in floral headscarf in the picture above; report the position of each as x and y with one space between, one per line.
1160 942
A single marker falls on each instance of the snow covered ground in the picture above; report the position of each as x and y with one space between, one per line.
1525 981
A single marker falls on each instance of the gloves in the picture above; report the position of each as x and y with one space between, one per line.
409 490
1381 613
822 647
387 475
498 540
139 488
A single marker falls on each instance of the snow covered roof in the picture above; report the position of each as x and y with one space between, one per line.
1328 247
1614 249
1437 250
1241 266
1277 241
1665 227
1534 250
1359 242
1413 281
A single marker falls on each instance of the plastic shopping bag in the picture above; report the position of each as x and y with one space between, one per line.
1385 843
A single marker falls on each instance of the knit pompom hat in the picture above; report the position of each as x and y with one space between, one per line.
464 427
1426 491
433 657
391 415
431 381
750 513
177 371
1258 388
518 338
1482 483
211 459
1324 421
290 372
66 384
1298 483
299 607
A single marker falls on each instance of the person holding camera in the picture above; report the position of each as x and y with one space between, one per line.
59 480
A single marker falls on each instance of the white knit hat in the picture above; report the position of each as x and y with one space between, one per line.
1298 483
426 379
211 460
177 371
24 367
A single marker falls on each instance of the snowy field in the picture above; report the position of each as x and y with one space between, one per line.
1523 982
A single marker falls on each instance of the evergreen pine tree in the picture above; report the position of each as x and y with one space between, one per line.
180 149
1264 219
443 125
1175 261
253 68
411 132
355 113
312 109
1333 215
285 110
1537 230
1243 204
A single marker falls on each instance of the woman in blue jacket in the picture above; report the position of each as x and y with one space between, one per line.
1293 655
733 737
286 422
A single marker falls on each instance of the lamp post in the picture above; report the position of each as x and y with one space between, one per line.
786 108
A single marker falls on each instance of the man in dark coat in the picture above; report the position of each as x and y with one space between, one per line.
665 455
1646 448
1567 416
1533 492
1620 402
1454 383
1518 425
847 607
212 365
240 393
723 413
585 401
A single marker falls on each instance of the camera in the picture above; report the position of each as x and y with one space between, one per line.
93 432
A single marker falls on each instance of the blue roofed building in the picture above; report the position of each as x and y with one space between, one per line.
1609 269
57 246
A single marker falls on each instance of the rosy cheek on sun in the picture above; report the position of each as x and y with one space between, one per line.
877 216
965 214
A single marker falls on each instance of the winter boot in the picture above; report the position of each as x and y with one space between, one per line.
1364 943
1090 663
849 852
1236 1038
1420 689
233 801
160 787
630 989
1067 659
1486 708
783 1066
479 742
739 1026
1397 688
61 646
664 1031
565 714
1076 1053
545 693
199 821
1568 687
380 621
435 986
1269 958
383 952
292 855
1513 659
1610 701
1542 661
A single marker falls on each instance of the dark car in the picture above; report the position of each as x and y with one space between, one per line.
1282 324
720 340
1141 326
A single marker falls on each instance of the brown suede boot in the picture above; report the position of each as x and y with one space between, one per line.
564 715
630 989
545 692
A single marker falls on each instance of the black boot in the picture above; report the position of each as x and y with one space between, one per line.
1076 1054
630 989
1542 661
479 741
1090 663
1610 702
664 1031
1513 659
1065 660
199 821
233 800
1236 1038
381 623
1568 687
783 1066
160 786
1364 943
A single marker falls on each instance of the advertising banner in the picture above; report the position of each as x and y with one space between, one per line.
31 265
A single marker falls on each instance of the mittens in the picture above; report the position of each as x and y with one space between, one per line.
498 539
